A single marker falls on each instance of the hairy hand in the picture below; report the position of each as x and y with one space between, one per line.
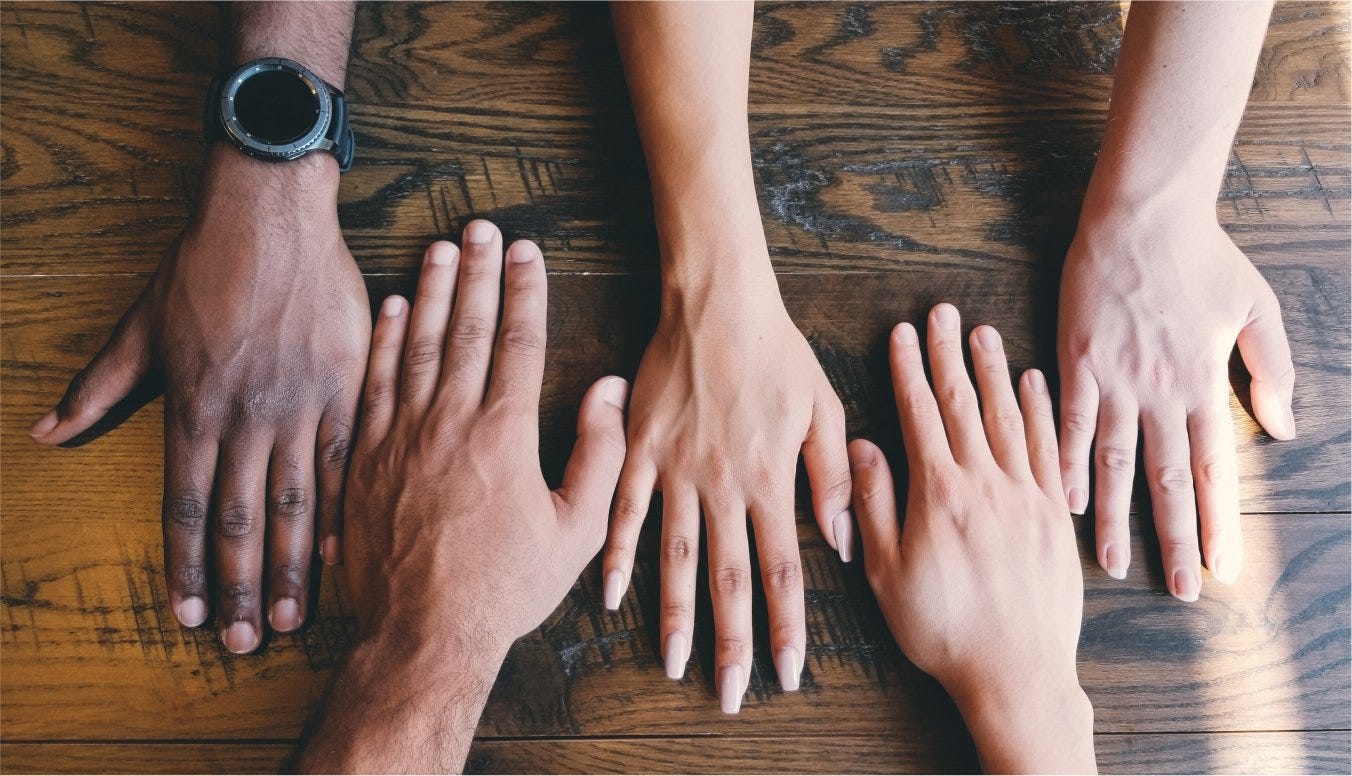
1148 319
258 324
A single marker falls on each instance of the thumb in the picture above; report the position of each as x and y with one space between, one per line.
1263 346
594 467
107 379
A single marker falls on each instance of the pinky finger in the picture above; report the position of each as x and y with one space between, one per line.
334 448
1040 430
1079 413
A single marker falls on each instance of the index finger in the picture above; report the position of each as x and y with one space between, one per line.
921 428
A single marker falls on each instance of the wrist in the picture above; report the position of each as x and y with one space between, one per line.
310 182
438 657
1144 197
1029 721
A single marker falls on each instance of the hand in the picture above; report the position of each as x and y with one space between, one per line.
1149 314
981 587
727 394
455 545
257 322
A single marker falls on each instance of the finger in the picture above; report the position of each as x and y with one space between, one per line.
238 519
594 467
382 372
1040 428
953 389
1169 473
519 356
427 328
999 410
1211 434
875 502
828 471
637 478
290 533
189 468
1079 411
1267 355
782 578
730 591
105 381
921 429
470 341
334 449
1114 471
679 566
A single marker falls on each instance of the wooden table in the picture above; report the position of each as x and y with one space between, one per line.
906 154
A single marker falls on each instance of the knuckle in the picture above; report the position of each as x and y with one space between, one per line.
733 645
629 509
869 496
470 331
236 519
334 453
1212 470
1118 460
188 576
1173 480
919 405
841 484
678 550
422 353
1006 419
958 397
289 574
379 393
679 611
187 511
1078 421
241 595
783 576
731 581
1043 451
290 503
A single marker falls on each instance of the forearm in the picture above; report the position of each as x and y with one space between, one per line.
1183 78
315 34
404 705
1038 725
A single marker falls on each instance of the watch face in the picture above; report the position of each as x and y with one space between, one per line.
276 107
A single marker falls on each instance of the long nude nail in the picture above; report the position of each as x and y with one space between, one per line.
730 689
614 589
675 655
789 667
843 531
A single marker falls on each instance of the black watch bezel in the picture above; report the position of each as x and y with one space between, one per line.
314 140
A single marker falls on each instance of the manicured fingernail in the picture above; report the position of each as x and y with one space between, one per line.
1187 585
905 334
45 424
480 232
1036 381
675 656
1077 500
285 615
988 338
1222 569
441 254
844 535
946 316
240 638
615 391
392 306
331 550
191 611
1115 560
523 251
614 589
788 667
730 689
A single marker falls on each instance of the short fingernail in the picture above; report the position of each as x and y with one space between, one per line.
392 306
523 252
1187 585
240 638
788 666
480 232
614 589
1036 381
191 612
1290 425
988 338
1222 569
285 615
1115 560
844 535
614 391
905 334
441 254
45 424
331 550
1077 500
730 689
946 316
675 655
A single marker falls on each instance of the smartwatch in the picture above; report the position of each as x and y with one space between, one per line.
276 110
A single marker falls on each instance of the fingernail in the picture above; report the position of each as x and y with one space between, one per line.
988 338
730 689
1036 381
844 535
1115 560
905 334
523 251
615 391
240 638
285 615
45 424
331 550
1222 569
1289 427
614 589
441 254
1077 500
392 306
788 667
480 232
191 612
1187 585
675 656
946 316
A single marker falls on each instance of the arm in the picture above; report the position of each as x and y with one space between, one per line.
257 322
981 585
1154 296
729 392
455 545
